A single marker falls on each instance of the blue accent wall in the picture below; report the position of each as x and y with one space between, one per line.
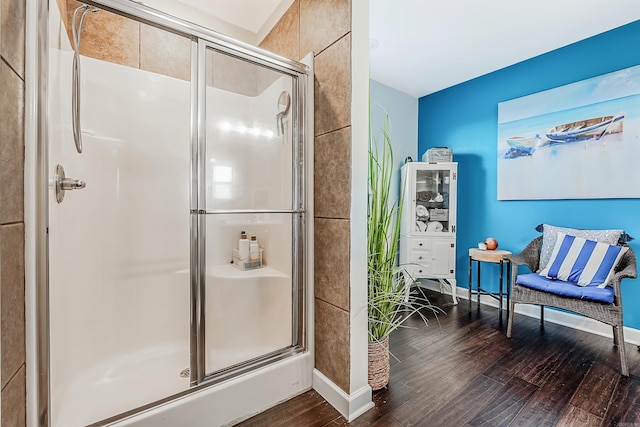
464 118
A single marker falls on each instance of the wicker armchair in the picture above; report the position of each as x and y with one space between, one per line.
610 314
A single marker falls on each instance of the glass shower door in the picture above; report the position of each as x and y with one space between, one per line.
251 167
118 249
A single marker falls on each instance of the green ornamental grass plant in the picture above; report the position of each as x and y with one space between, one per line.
388 307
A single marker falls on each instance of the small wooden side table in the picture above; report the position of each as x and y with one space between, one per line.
496 257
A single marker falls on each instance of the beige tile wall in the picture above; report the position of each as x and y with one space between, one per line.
232 74
324 27
112 38
12 307
284 38
164 53
107 36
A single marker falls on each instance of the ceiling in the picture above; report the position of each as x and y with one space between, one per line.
248 14
423 46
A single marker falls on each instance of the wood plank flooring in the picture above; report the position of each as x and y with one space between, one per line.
461 370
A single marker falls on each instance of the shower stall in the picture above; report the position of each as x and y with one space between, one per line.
160 142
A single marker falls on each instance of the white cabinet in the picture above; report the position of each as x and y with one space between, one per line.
428 225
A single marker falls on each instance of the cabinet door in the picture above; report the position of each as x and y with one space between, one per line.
444 260
430 191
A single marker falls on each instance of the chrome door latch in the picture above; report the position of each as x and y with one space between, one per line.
63 184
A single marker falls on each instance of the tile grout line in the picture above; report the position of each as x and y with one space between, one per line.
14 375
3 59
332 131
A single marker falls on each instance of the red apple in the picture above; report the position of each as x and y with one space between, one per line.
491 243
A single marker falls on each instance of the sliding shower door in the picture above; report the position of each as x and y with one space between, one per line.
251 173
189 140
119 249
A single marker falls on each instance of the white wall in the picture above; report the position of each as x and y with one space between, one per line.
403 117
360 392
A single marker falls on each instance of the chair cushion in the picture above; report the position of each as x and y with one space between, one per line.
550 235
582 261
567 289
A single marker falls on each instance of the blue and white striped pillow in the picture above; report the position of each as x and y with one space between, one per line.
582 261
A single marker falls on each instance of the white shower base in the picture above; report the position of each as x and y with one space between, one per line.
135 380
126 382
233 400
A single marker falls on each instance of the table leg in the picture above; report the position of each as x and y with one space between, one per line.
478 262
500 302
508 287
470 284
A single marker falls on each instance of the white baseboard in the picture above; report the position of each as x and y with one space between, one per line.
572 320
349 406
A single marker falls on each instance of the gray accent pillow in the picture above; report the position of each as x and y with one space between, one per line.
550 235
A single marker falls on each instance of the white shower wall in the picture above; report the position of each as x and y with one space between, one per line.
242 142
260 176
119 248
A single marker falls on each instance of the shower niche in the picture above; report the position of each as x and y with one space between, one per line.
198 140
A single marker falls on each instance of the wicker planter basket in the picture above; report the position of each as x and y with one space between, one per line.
379 363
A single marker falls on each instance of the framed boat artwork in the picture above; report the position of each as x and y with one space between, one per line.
578 141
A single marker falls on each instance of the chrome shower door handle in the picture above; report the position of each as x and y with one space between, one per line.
72 184
279 124
63 184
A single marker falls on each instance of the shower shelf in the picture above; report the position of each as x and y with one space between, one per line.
231 272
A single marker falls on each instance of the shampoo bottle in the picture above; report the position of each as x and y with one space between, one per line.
243 246
254 249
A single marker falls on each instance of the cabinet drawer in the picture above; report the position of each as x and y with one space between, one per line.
420 245
418 271
421 257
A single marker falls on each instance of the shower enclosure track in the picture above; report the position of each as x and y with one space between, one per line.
248 211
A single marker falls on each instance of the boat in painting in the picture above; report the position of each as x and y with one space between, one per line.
581 130
594 128
523 145
523 141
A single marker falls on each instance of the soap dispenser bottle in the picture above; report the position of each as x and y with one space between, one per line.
243 246
254 249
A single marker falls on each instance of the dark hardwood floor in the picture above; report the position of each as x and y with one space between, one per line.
461 370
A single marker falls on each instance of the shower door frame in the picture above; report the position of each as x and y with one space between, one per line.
199 214
201 39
